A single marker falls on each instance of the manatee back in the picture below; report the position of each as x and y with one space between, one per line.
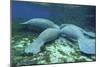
49 34
41 23
72 31
88 34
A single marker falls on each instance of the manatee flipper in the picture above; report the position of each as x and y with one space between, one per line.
87 45
46 36
41 23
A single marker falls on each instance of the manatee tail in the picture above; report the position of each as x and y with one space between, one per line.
87 45
26 22
34 47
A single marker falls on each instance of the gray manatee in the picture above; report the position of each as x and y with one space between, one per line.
89 34
46 36
87 45
41 23
73 32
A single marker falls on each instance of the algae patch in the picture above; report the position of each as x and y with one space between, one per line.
60 50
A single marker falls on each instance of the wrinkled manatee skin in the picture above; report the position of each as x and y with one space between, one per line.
47 35
41 23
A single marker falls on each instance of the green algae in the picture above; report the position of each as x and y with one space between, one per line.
60 50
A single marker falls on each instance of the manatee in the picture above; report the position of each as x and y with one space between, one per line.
87 45
88 34
73 32
41 23
46 36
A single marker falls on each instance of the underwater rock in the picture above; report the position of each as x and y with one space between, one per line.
73 32
46 36
60 51
41 23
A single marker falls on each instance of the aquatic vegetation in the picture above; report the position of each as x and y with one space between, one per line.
60 50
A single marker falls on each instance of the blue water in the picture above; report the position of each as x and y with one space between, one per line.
83 16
